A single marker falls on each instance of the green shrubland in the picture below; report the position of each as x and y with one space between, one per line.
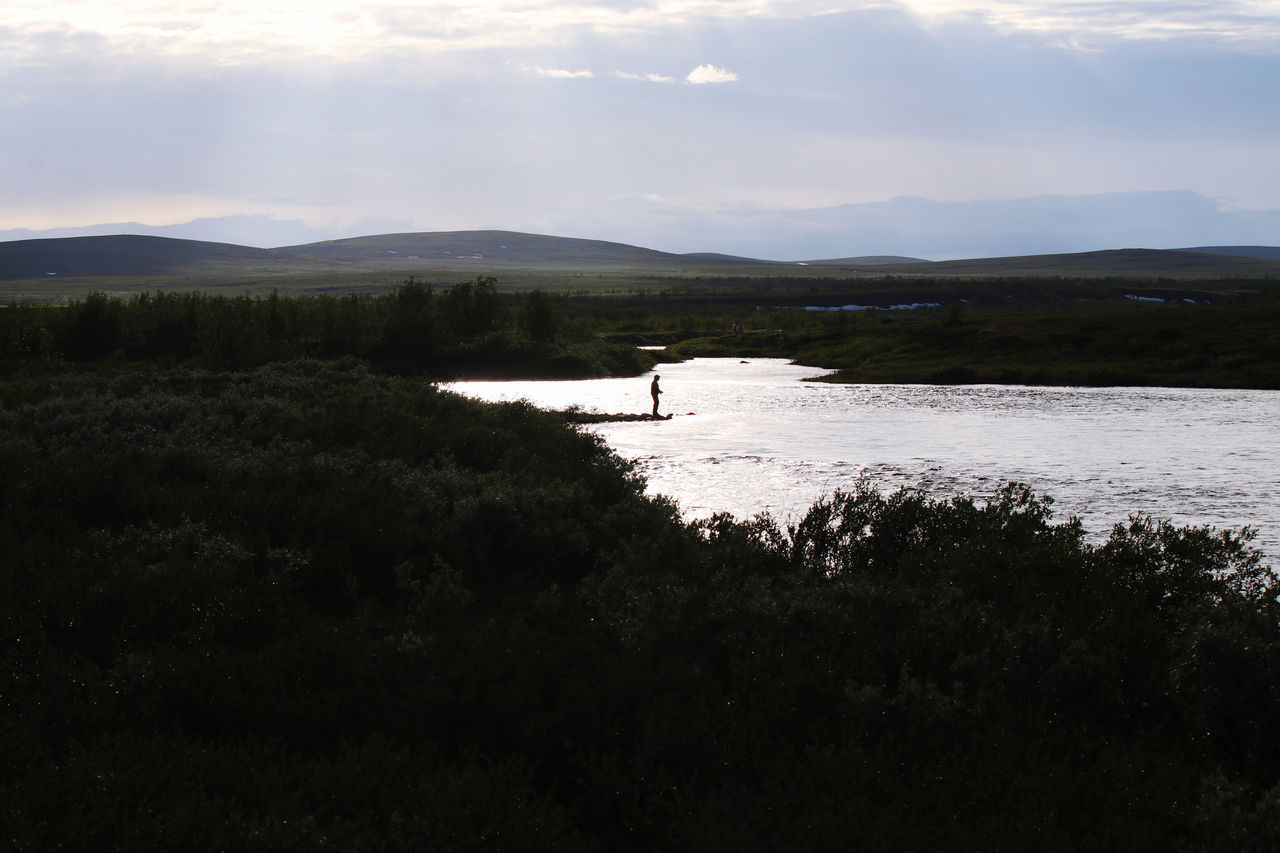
469 327
473 328
1232 345
310 605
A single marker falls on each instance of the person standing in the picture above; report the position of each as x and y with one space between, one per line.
654 391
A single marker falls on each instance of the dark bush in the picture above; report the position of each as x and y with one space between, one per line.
93 328
306 606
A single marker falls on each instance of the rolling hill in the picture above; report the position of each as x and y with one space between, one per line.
865 261
126 255
494 249
1144 263
496 252
1269 252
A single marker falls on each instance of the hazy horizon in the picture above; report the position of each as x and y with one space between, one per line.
779 129
913 228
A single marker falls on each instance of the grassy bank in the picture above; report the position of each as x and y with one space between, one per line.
1219 346
308 606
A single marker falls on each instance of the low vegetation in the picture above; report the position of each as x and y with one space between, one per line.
1232 345
307 606
416 328
267 586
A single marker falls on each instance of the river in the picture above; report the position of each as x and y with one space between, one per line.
750 436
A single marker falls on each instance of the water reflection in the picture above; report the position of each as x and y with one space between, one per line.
749 436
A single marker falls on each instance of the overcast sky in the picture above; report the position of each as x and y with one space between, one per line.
772 128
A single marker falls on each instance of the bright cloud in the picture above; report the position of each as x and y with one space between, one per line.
710 74
246 31
563 74
648 78
1248 23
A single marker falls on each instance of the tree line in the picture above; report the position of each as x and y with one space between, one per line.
417 327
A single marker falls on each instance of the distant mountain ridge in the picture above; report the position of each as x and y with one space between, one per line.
898 226
495 251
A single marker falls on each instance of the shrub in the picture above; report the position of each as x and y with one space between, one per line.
308 605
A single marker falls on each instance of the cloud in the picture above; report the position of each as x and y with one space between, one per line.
648 78
563 74
710 74
1080 24
239 32
458 115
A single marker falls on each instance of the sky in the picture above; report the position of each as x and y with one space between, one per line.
782 129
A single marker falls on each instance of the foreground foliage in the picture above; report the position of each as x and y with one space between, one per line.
307 606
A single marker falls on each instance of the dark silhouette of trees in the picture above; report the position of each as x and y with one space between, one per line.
538 317
416 328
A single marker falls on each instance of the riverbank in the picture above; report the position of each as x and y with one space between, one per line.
577 416
1169 345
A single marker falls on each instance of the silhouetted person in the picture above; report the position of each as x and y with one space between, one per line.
654 391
